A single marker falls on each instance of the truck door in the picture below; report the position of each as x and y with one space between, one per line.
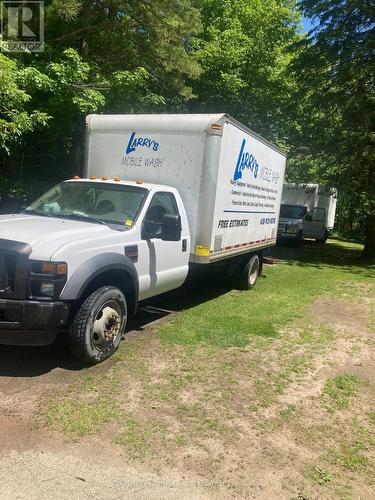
314 223
168 260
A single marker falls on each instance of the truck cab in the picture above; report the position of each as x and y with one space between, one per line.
129 240
307 211
291 221
297 223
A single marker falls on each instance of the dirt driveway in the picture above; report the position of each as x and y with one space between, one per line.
38 463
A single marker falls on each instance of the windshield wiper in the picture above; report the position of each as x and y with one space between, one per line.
84 217
37 212
65 216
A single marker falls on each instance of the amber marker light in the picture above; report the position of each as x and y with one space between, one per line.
139 181
53 268
117 178
47 268
76 177
104 178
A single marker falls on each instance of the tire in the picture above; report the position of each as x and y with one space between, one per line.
249 273
323 240
98 325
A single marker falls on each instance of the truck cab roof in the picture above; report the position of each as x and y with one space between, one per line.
140 184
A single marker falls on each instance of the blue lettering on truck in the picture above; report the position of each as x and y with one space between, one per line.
268 220
135 142
245 160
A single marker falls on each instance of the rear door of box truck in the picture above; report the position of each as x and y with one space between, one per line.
248 193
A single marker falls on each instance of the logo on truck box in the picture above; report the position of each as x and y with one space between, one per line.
137 142
245 160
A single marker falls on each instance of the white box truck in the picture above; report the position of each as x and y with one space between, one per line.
159 193
307 211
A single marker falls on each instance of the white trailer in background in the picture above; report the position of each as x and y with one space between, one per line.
159 193
307 211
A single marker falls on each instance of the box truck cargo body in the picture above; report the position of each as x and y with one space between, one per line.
230 179
159 194
307 211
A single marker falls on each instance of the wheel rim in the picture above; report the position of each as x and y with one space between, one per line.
254 269
107 324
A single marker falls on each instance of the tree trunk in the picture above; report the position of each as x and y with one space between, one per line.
78 146
369 250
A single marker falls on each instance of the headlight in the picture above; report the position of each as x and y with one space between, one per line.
43 289
54 268
46 279
292 228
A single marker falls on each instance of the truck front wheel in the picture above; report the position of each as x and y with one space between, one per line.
249 274
99 325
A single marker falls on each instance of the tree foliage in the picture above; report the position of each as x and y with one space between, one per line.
243 55
335 71
16 116
312 95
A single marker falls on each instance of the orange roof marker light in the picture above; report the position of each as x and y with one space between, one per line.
93 177
104 178
76 177
117 178
139 181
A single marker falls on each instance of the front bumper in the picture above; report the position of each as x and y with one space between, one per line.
30 322
287 235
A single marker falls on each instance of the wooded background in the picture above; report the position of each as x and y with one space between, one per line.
312 94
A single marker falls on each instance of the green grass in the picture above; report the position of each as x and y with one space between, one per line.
236 368
84 408
138 439
320 475
234 317
79 418
339 390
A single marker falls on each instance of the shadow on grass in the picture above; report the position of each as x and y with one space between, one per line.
200 288
335 253
28 362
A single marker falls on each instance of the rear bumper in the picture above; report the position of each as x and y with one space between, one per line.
29 322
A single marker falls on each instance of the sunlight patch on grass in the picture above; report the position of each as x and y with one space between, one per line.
79 418
234 317
338 391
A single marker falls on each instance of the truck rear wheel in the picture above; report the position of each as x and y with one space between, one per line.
324 239
249 273
99 325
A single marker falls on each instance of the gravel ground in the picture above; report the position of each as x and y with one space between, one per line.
41 475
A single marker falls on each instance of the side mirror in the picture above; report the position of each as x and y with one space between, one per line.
171 227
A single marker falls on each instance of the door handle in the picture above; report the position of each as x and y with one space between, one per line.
184 245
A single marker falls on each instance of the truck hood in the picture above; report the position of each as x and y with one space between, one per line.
45 235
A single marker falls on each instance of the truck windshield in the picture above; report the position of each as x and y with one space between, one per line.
95 201
293 211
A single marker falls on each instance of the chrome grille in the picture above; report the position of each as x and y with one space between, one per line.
7 273
9 277
14 258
